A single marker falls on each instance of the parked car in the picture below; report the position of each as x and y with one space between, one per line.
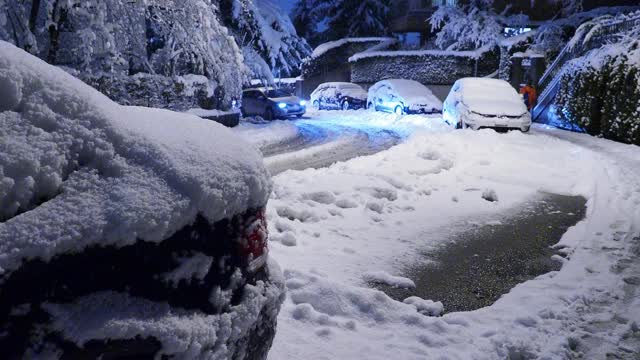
485 103
339 95
402 96
139 233
271 103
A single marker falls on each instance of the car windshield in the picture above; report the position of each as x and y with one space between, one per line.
277 93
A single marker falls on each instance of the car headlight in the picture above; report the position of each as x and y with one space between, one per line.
303 103
282 105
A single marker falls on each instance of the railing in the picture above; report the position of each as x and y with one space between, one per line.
596 37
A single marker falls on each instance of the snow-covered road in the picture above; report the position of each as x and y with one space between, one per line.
319 140
333 228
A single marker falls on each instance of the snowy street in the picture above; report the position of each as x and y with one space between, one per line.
320 179
336 229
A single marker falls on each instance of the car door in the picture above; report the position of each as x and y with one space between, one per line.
248 102
382 98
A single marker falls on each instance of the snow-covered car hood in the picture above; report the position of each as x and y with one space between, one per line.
426 102
491 97
78 170
489 106
354 93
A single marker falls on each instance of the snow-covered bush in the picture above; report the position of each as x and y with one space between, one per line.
600 92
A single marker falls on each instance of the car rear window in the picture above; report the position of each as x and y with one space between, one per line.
276 93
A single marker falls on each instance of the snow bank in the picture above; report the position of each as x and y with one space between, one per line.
266 133
110 174
329 311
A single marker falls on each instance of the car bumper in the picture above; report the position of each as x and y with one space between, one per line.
476 123
291 112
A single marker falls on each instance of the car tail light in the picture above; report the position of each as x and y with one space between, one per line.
253 243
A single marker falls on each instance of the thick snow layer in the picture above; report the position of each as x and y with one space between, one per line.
382 212
323 48
474 54
183 334
204 113
108 174
491 97
266 133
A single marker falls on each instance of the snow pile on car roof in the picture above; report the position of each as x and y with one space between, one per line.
491 97
78 170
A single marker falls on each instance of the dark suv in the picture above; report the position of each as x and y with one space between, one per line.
271 103
143 232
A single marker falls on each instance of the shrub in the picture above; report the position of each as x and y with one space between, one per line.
603 97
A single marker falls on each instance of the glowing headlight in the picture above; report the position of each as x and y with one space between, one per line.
303 102
282 105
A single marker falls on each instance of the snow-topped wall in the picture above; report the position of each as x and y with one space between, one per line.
427 66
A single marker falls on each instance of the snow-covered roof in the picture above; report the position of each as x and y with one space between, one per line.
369 54
491 97
78 170
323 48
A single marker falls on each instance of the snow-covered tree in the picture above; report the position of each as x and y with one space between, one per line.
303 16
260 27
465 28
342 18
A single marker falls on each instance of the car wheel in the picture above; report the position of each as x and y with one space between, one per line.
345 105
268 114
399 110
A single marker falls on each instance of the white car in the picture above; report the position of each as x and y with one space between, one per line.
338 95
402 97
485 103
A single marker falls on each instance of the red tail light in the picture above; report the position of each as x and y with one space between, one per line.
253 245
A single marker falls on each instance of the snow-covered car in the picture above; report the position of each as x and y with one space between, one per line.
339 95
126 232
271 103
402 96
485 103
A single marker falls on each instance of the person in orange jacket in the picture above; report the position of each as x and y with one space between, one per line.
528 93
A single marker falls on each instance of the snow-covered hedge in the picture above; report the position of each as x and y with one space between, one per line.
177 93
600 92
427 66
329 55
